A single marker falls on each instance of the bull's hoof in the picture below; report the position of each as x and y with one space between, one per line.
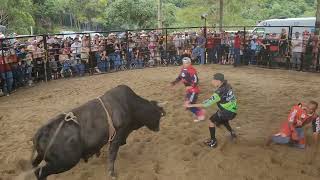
112 175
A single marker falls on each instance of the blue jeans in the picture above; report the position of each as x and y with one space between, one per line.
103 65
28 74
253 56
130 56
287 140
139 63
216 52
237 56
117 61
79 68
202 55
211 55
8 82
112 58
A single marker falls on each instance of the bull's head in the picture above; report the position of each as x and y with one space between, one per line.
158 113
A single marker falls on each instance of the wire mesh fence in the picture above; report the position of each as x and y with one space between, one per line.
28 59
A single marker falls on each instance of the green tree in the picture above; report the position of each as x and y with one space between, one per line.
128 14
16 18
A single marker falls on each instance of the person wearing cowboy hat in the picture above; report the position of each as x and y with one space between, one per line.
188 76
226 100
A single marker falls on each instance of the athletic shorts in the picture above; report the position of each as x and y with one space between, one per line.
222 116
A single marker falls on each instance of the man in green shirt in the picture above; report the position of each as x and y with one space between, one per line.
226 100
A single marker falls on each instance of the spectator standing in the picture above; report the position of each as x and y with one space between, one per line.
131 48
6 76
201 42
253 50
85 48
217 48
297 46
178 46
265 50
76 61
307 61
76 49
237 45
227 45
210 48
274 49
283 44
315 51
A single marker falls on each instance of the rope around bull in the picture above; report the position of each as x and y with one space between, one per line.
69 117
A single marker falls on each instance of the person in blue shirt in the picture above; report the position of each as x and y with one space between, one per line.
253 50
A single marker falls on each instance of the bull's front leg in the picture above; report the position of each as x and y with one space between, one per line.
113 151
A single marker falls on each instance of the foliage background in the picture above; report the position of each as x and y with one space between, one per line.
78 15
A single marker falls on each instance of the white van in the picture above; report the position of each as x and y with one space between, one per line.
289 22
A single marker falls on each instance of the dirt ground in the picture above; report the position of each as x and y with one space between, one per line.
176 152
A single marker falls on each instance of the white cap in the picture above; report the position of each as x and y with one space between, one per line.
186 60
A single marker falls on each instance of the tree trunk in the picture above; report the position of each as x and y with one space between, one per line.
221 15
159 14
71 24
317 18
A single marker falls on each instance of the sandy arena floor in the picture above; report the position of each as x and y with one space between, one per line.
176 152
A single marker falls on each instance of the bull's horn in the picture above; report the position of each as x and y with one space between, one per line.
162 103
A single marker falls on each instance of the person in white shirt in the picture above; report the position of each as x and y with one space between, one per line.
76 48
297 45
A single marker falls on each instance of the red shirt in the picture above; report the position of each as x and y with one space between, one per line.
188 76
210 43
237 42
4 67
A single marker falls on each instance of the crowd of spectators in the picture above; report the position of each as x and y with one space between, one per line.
24 61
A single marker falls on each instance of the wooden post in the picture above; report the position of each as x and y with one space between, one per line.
159 14
221 15
317 25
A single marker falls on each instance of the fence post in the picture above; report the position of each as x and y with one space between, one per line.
127 48
45 46
244 35
290 32
166 44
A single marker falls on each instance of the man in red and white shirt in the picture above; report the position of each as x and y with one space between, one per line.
188 76
291 131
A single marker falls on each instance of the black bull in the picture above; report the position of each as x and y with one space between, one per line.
80 141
